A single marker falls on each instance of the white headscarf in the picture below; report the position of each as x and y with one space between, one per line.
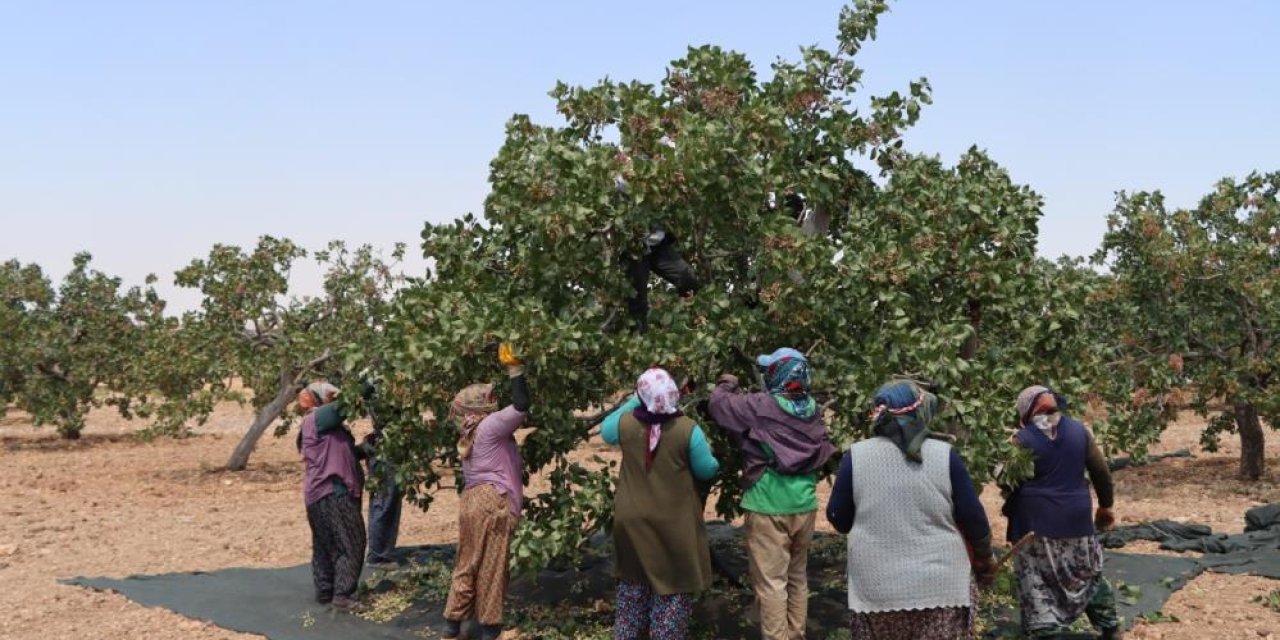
660 396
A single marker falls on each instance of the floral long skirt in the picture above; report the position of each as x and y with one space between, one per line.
1061 578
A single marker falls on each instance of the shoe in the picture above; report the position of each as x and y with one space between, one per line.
1111 634
384 565
492 632
346 603
452 630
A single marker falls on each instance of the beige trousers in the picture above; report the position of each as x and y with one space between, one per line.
778 549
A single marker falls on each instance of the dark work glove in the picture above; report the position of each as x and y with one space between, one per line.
1103 519
983 561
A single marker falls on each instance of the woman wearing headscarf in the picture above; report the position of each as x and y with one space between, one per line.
784 444
1060 569
491 502
659 538
910 509
332 488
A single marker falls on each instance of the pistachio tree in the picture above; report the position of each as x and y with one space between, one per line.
899 263
1200 292
72 348
253 340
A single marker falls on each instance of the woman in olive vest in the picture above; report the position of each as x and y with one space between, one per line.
659 538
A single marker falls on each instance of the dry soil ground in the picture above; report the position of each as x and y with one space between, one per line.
111 505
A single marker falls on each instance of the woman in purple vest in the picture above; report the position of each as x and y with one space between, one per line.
333 484
490 505
1060 570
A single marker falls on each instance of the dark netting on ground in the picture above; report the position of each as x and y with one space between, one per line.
1254 552
1125 462
407 602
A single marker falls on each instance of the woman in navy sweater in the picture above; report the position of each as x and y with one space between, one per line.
910 510
1060 569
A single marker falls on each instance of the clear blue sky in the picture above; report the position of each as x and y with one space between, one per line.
144 132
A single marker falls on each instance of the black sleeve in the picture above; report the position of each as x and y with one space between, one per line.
520 394
967 510
1100 475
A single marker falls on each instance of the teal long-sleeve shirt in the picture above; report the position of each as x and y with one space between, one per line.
701 461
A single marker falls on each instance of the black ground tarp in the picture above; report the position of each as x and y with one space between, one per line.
277 602
1254 552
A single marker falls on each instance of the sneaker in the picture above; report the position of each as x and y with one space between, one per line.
346 603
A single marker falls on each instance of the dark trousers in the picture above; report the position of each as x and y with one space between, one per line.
666 261
384 513
337 546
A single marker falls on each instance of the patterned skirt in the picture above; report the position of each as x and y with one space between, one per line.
1056 578
944 623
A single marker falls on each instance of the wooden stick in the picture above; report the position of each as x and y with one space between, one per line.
1022 542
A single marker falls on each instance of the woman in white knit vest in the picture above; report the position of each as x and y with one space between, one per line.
910 510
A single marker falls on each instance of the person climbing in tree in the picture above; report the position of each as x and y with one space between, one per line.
333 484
492 500
659 537
784 444
1060 569
659 255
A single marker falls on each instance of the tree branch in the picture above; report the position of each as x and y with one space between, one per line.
310 366
814 347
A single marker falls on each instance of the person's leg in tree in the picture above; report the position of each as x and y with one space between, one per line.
638 304
1101 610
672 267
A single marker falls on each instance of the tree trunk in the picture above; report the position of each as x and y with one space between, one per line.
240 457
290 383
1252 451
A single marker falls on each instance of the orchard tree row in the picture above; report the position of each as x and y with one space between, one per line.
805 222
89 343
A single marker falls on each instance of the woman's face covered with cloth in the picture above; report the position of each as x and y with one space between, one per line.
787 377
470 407
1038 406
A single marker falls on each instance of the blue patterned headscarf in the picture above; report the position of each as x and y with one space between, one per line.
902 411
787 379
